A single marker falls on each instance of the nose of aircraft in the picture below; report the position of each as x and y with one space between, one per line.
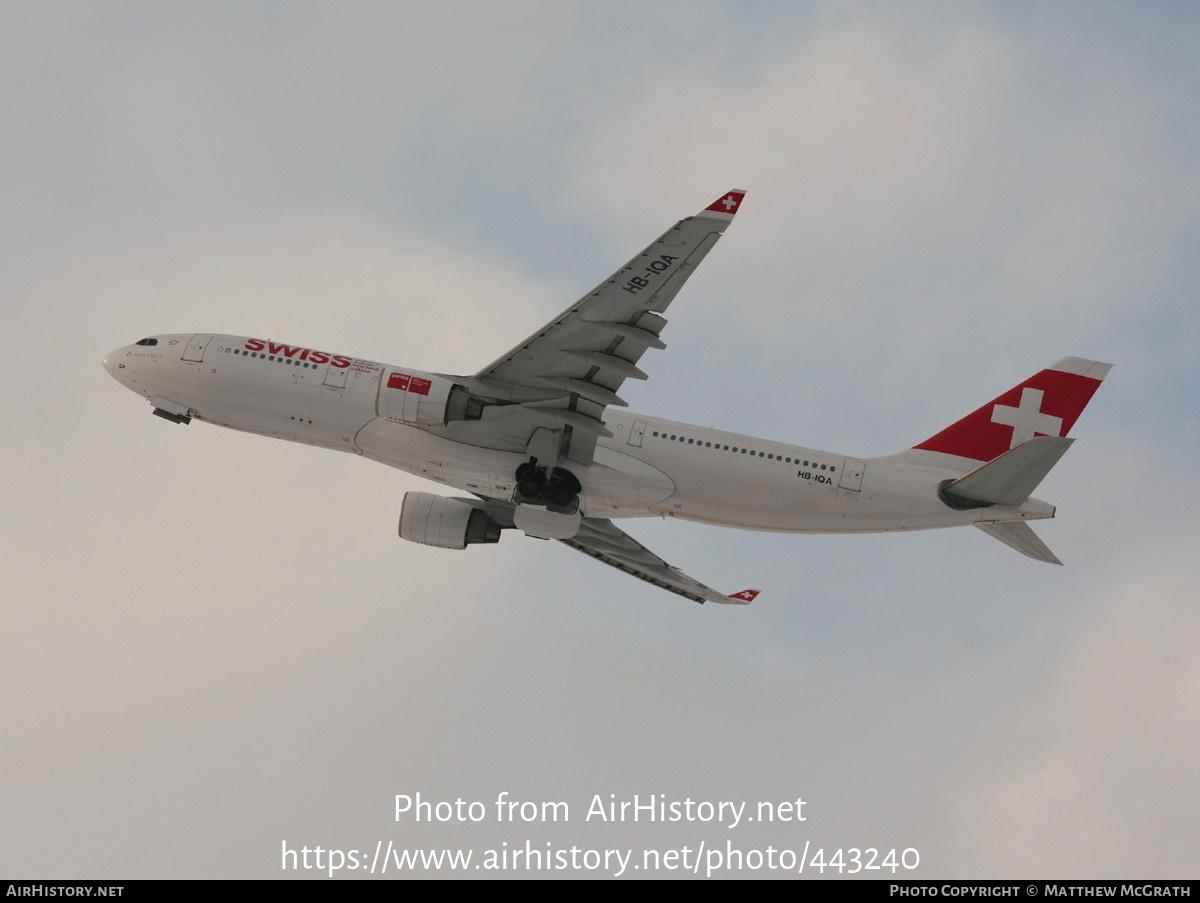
112 361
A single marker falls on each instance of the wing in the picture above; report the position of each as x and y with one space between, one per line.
560 380
605 542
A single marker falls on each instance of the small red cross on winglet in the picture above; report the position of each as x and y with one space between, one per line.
746 596
728 202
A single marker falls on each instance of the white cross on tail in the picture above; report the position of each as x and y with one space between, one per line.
1027 418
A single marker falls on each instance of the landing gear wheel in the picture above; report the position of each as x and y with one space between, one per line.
556 488
529 490
562 492
531 483
570 506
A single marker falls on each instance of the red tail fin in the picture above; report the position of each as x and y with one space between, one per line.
1047 404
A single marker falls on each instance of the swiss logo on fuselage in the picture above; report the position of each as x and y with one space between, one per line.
300 354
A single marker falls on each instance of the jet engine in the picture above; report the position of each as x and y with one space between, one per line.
433 520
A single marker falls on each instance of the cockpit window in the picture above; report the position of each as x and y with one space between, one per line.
148 342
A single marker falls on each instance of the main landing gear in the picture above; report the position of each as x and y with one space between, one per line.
554 487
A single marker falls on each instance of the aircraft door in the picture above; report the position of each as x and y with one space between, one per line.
195 348
635 435
852 474
335 377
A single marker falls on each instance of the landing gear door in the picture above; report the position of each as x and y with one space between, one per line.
852 474
195 348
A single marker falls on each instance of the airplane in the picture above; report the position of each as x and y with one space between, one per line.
536 439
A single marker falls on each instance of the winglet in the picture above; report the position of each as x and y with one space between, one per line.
745 597
727 204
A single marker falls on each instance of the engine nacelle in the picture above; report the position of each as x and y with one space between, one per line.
434 520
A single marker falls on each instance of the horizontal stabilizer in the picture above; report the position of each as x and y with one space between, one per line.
1009 479
1020 536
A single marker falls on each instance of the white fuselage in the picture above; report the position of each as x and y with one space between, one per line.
648 466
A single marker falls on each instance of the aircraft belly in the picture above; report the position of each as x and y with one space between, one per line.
762 504
184 384
467 467
620 485
894 500
781 501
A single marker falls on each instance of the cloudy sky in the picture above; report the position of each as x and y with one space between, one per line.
215 644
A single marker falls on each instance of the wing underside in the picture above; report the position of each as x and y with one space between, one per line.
604 541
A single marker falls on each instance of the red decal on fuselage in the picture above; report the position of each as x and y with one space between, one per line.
420 386
398 381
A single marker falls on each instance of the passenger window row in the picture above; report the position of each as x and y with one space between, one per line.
770 456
